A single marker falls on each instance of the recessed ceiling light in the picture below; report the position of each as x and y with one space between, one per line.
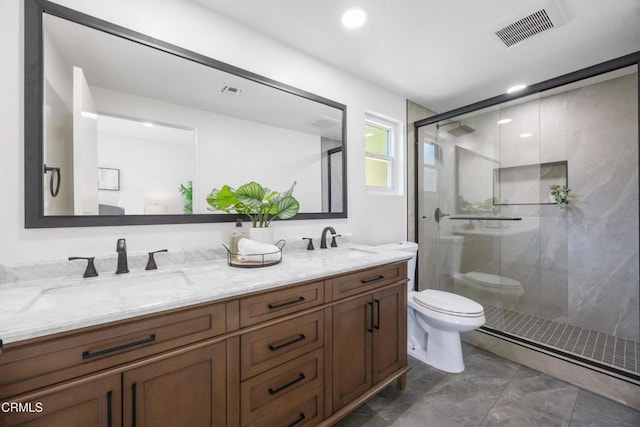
516 88
503 121
354 18
526 135
148 124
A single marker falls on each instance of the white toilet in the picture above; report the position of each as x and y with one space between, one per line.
485 288
435 320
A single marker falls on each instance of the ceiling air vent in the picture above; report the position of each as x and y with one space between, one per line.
324 122
230 90
523 27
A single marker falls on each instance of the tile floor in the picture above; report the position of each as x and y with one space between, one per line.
492 391
620 353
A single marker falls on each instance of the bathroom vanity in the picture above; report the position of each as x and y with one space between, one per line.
301 343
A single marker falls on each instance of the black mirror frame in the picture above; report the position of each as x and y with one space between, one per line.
33 122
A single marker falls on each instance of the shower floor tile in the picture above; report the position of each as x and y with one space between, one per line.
619 353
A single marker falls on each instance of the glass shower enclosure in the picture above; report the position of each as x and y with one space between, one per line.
563 277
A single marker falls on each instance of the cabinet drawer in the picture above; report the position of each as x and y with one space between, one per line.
265 393
271 346
270 305
305 409
361 281
48 361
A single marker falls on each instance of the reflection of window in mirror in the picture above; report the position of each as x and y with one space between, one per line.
383 155
429 174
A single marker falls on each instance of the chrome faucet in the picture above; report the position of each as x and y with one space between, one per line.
121 248
323 239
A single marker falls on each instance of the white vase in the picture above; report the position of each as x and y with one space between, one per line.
261 234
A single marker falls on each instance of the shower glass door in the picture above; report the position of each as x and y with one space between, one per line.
562 277
483 172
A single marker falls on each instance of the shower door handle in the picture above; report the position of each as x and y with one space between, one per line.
438 215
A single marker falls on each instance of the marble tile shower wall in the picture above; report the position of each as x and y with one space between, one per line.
581 266
602 226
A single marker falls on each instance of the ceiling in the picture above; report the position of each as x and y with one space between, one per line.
120 65
443 54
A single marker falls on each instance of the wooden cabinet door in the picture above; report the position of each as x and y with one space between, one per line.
83 403
185 390
351 338
390 332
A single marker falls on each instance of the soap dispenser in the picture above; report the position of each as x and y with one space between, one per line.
237 234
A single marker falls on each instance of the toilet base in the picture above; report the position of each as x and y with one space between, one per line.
447 359
437 348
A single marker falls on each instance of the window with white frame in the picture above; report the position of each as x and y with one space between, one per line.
429 172
383 155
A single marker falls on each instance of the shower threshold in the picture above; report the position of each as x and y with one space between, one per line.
615 356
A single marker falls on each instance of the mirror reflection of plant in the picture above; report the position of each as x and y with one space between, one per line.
561 194
259 203
186 191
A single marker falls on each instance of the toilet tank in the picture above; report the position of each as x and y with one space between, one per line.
411 247
450 254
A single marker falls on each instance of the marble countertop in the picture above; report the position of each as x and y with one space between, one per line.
44 307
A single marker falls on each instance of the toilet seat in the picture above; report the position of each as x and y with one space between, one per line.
448 303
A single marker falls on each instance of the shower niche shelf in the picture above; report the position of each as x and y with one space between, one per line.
528 184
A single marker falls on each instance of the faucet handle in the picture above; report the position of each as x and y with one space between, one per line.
90 271
121 246
310 245
333 240
151 262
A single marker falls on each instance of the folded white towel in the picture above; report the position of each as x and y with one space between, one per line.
250 250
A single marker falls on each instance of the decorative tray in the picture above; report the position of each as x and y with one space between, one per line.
255 260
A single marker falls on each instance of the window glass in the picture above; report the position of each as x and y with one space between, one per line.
430 173
376 140
378 172
429 154
430 180
383 155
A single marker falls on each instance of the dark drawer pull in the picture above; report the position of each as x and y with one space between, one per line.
287 385
109 414
88 354
375 279
301 418
284 304
293 341
134 409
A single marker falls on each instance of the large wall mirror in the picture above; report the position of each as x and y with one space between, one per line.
124 129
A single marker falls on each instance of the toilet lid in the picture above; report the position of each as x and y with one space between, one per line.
446 302
492 280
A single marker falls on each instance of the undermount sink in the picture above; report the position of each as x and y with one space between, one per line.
98 290
348 252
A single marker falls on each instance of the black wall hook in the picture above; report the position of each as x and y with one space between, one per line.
55 173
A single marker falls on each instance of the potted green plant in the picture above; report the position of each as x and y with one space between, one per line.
186 191
259 203
561 194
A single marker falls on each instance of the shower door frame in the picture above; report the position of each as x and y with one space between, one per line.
585 73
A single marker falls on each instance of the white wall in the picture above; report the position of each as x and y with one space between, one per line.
150 172
270 155
372 218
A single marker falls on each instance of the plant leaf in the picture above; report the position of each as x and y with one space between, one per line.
222 200
287 207
251 194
